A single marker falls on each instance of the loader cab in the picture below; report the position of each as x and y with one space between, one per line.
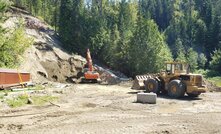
176 68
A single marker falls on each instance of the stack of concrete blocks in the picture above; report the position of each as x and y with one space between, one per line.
150 98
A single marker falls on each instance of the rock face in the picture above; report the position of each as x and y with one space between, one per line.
45 59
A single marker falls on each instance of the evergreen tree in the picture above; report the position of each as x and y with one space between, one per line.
215 63
202 60
148 50
65 25
111 29
192 57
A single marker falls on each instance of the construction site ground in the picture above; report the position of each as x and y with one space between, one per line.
96 109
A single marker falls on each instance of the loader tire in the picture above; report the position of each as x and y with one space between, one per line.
176 89
151 85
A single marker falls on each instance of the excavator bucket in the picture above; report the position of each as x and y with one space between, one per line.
139 81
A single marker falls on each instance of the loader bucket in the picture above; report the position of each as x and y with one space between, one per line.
139 81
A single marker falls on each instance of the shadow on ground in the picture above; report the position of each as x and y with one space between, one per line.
165 96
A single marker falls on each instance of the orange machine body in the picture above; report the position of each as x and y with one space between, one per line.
90 74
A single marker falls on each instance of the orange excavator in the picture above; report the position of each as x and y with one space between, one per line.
89 74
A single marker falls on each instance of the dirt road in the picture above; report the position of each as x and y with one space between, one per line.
95 109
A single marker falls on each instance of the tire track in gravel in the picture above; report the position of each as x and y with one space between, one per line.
148 123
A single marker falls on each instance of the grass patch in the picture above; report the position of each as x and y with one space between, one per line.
18 102
6 91
39 87
215 80
41 100
211 76
1 96
23 100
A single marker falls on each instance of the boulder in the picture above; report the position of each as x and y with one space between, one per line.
147 98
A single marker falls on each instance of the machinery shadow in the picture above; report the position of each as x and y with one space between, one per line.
165 96
136 92
185 98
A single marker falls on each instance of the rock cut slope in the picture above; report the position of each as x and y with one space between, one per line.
45 59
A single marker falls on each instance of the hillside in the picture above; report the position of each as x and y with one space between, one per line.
45 59
137 36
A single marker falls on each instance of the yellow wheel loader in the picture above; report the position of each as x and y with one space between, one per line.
175 80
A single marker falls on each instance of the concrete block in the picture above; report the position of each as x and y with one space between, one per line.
150 98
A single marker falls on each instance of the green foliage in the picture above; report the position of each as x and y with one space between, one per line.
117 32
192 57
4 5
46 9
22 100
18 101
215 64
208 73
202 60
181 57
39 87
41 100
216 80
211 76
101 42
1 96
148 50
72 25
12 47
203 72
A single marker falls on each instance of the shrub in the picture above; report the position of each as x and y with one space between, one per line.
215 63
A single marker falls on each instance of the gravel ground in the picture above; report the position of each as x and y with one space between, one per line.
95 109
